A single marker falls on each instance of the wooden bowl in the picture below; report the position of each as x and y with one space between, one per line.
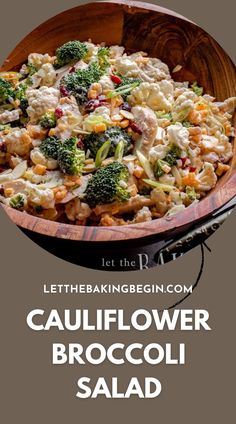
163 34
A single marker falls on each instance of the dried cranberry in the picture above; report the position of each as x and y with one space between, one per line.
91 105
103 102
64 92
183 160
3 147
59 112
126 106
116 79
192 169
72 69
135 128
80 144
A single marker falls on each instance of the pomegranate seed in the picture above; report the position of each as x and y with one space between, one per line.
192 169
135 128
116 79
72 69
59 112
63 90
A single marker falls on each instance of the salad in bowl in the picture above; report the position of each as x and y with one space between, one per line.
97 136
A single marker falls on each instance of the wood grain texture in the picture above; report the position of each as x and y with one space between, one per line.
163 34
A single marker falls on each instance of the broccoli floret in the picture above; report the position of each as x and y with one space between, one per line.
6 90
103 57
70 157
79 81
71 52
105 186
159 167
191 193
49 147
19 94
81 95
31 69
94 141
173 155
4 127
18 201
48 120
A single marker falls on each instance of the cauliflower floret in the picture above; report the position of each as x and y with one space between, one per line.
177 197
229 105
155 70
126 66
146 120
71 119
47 75
106 83
38 59
179 135
143 215
38 158
211 157
157 152
40 197
137 66
19 142
183 105
37 196
158 96
219 145
92 50
76 209
40 101
116 51
168 179
37 134
9 116
206 178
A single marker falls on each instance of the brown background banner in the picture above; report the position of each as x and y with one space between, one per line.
36 392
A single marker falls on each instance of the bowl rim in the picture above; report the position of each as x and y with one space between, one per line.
145 230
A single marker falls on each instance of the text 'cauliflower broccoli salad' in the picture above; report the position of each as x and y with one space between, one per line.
94 136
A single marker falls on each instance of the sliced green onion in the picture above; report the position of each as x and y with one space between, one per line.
122 90
102 153
119 152
160 186
145 164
